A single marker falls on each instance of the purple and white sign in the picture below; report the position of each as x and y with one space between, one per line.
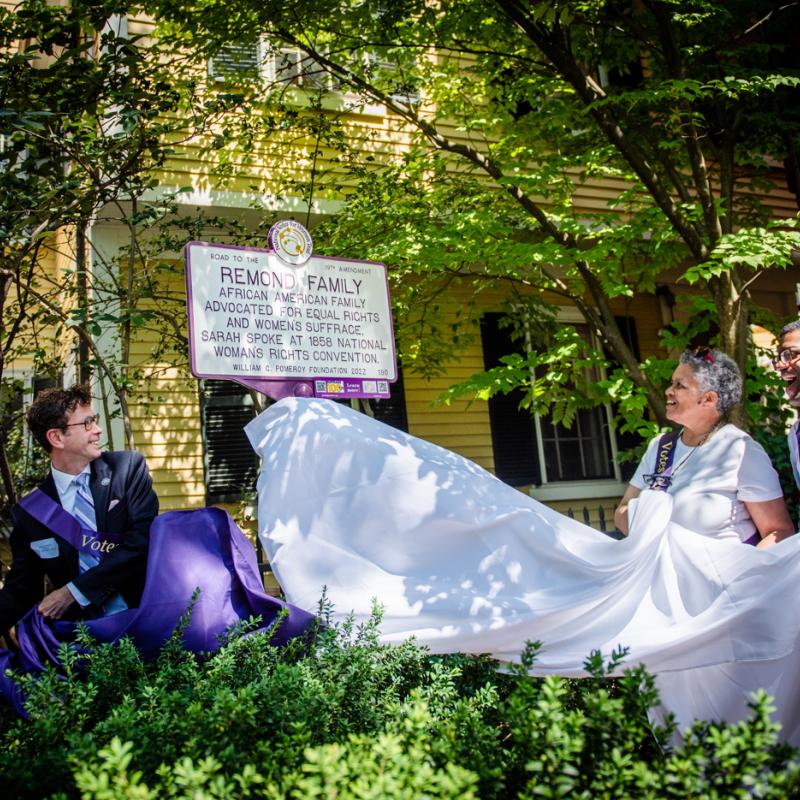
323 326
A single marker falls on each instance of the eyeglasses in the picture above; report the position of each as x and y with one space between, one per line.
787 356
87 422
704 354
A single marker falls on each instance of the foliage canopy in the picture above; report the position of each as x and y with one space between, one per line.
574 151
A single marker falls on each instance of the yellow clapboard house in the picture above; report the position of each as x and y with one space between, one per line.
191 431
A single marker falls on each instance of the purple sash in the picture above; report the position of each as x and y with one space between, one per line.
53 516
796 461
661 479
188 550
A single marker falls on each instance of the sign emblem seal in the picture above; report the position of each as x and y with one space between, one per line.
291 242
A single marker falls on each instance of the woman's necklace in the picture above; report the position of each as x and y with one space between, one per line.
694 448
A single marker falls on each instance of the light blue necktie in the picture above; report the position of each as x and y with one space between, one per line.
83 510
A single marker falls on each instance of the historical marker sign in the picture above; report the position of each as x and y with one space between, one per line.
254 317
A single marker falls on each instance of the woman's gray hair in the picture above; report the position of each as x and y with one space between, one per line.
716 372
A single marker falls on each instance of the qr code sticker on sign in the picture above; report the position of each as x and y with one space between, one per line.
383 387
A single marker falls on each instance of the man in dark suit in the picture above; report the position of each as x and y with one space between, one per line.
101 570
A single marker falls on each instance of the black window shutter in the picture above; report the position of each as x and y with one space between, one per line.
392 410
42 382
516 460
627 327
231 465
235 60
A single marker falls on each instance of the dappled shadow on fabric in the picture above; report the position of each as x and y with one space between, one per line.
465 563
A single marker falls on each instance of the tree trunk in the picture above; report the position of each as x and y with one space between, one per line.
5 469
126 332
84 372
734 334
122 399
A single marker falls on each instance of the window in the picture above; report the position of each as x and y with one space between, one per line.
41 382
579 453
392 409
530 449
622 77
28 461
402 87
231 465
236 60
287 66
291 66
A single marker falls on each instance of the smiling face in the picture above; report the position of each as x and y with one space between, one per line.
688 404
74 447
790 372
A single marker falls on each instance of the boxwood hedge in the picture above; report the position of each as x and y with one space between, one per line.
338 715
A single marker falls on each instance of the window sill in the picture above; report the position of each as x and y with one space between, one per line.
578 490
335 100
329 99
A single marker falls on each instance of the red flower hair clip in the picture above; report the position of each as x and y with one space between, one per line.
704 354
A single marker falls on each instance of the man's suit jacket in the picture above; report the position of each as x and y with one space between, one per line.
124 503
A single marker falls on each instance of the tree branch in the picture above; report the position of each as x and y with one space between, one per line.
589 92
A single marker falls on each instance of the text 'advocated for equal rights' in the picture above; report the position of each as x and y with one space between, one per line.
254 316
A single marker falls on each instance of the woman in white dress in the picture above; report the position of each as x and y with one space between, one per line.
722 480
466 563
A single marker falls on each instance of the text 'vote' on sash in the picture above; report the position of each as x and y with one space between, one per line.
89 541
52 516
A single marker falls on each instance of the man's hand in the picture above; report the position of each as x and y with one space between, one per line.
56 603
9 640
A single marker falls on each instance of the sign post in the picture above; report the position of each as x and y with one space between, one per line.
285 322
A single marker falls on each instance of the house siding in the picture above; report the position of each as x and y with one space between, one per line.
165 406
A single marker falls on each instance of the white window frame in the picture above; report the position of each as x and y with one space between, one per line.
411 98
267 69
549 491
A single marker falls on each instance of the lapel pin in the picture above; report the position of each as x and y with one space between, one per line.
105 481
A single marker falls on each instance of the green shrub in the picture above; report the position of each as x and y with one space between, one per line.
339 715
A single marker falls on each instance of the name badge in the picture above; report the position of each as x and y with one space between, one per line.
657 482
45 548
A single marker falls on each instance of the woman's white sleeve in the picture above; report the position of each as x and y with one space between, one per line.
646 465
758 480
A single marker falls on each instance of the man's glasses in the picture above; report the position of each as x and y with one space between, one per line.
787 356
87 422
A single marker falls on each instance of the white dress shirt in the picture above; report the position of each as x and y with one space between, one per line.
67 489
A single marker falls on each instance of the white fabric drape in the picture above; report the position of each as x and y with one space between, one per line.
465 563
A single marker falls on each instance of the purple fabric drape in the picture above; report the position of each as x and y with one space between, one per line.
188 549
